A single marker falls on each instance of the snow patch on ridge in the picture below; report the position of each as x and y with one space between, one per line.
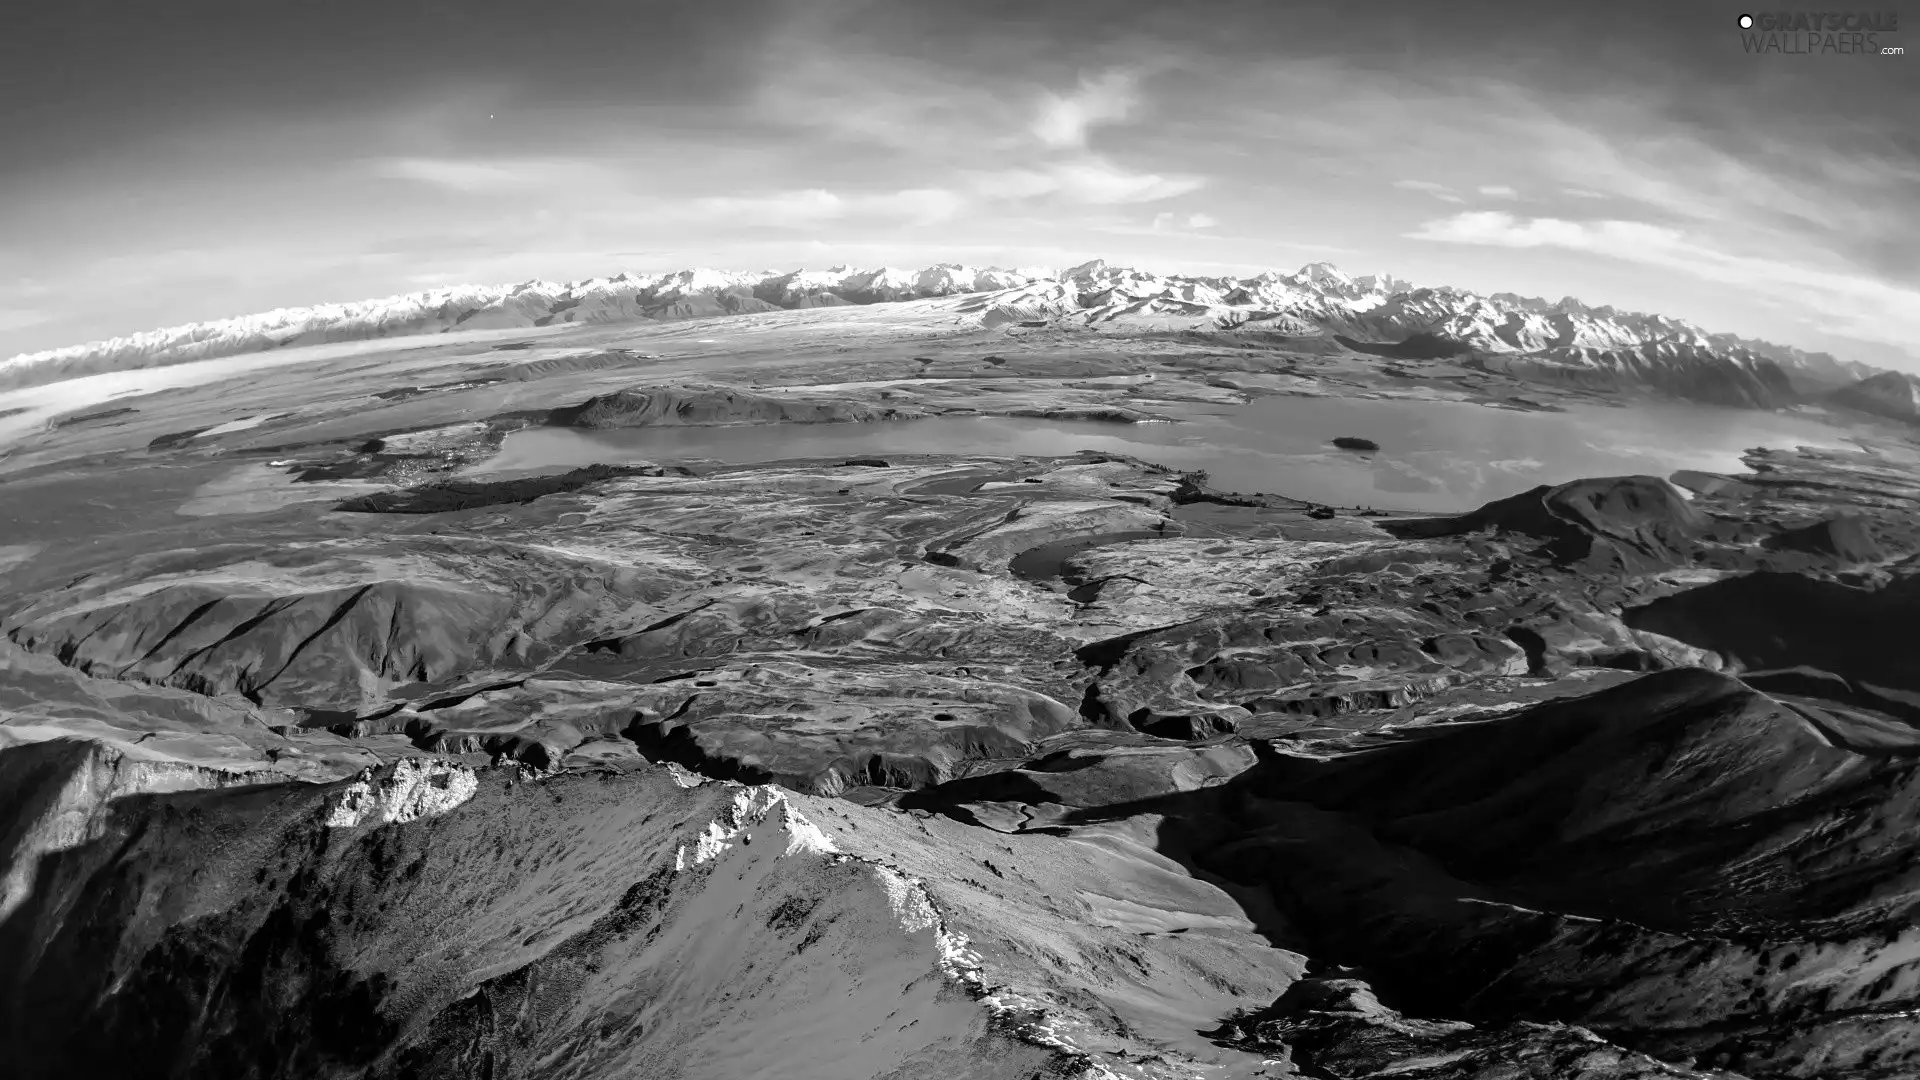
751 807
407 790
912 904
1026 1018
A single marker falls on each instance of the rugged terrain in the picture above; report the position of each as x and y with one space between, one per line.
324 751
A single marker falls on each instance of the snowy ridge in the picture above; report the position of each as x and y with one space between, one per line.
746 819
914 907
625 297
1317 299
752 807
1027 1019
407 790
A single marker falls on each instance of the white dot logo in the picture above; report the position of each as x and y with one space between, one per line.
1746 22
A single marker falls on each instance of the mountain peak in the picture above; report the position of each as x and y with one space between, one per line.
1324 272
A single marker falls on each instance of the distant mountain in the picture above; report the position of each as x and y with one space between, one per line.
1891 394
1562 341
1811 372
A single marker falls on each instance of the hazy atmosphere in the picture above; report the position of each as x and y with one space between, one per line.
198 160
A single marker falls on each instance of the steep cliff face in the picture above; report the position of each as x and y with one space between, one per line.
55 795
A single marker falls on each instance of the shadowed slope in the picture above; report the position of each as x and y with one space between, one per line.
1680 863
1634 522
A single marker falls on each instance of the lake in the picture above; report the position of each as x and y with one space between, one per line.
1434 456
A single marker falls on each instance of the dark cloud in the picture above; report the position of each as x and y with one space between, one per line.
85 67
79 71
1684 58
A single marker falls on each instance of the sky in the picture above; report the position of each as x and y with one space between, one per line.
165 163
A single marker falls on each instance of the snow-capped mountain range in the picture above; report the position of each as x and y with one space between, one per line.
1562 339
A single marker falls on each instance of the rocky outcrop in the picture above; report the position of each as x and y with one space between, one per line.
407 790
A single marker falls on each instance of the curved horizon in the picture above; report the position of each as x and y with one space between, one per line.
1638 157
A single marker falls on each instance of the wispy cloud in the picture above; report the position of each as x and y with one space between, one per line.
925 113
787 209
1628 150
988 146
23 300
1166 221
1064 120
1088 180
1498 191
13 318
1429 187
1170 226
479 175
814 207
1853 304
1501 229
